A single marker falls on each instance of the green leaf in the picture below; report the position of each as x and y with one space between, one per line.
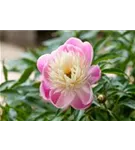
34 95
89 34
12 114
128 103
98 88
100 44
130 88
12 96
23 110
59 118
53 43
6 85
105 57
24 76
79 114
21 64
37 114
30 55
114 71
100 114
27 89
95 102
59 111
5 71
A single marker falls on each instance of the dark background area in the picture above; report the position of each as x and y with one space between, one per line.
26 38
45 35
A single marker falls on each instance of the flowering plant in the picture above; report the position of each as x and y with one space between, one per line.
70 80
67 75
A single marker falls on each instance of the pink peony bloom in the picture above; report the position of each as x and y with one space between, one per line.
67 75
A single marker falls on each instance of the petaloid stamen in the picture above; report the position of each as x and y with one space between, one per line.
68 70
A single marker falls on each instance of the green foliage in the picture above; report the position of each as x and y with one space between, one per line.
114 52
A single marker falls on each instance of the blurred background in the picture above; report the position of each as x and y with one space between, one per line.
14 42
26 37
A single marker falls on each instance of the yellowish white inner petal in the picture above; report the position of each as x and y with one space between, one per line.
68 71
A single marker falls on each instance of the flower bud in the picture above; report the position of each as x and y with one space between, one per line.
101 98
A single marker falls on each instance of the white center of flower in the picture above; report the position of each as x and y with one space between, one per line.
68 70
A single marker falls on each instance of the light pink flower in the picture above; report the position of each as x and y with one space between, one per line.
67 75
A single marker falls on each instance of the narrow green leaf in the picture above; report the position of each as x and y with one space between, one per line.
5 72
31 55
6 85
96 103
105 57
12 114
36 114
100 44
114 71
59 111
79 114
24 76
89 34
27 89
129 103
59 118
130 88
98 88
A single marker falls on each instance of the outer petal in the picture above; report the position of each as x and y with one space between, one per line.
94 74
45 72
61 99
71 48
77 103
85 47
42 61
45 90
54 53
88 50
75 41
45 69
85 94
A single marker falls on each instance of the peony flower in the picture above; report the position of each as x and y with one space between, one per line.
67 75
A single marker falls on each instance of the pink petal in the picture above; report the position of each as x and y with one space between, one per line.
54 53
77 104
85 47
85 94
45 69
61 99
54 96
45 72
75 41
42 61
94 74
45 90
70 48
88 50
73 48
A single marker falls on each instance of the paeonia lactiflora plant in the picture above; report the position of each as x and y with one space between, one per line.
71 79
67 75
